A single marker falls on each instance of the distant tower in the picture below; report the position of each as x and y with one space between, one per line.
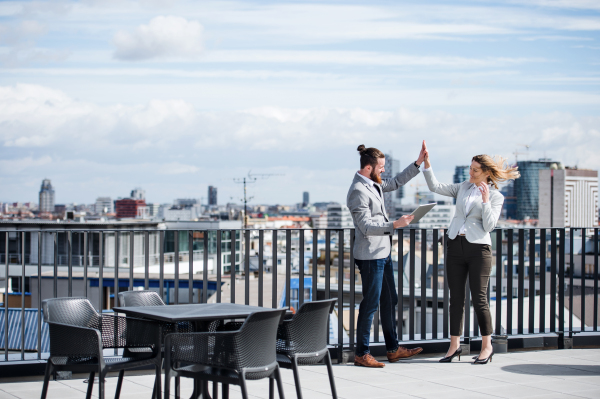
46 196
212 195
138 194
461 174
305 199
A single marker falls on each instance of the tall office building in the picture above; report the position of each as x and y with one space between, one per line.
104 205
568 197
212 195
46 196
392 168
509 208
461 174
305 199
128 207
527 188
138 194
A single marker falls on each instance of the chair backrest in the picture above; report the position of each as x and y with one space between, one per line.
72 311
140 298
255 341
307 331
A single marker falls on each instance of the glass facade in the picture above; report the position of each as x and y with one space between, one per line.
461 173
527 188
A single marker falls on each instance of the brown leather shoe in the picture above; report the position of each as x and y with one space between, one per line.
367 361
403 353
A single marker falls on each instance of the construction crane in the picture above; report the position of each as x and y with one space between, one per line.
250 179
517 153
418 195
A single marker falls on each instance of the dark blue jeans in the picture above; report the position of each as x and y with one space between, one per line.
377 288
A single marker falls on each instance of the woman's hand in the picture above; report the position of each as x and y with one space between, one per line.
485 192
426 159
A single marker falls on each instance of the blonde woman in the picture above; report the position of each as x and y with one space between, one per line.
469 253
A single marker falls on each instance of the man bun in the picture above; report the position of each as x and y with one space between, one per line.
369 156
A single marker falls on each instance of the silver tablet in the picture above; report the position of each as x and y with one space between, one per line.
421 211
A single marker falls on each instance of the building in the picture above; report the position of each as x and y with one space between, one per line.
509 208
46 196
305 199
186 202
138 193
437 218
212 195
527 188
461 174
128 207
392 168
568 197
339 217
104 205
153 210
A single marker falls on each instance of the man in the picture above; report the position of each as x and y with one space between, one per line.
372 252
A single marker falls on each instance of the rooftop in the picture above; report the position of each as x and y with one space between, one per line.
573 373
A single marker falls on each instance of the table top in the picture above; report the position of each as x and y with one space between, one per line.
191 312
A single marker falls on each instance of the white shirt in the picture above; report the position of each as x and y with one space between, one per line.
370 183
366 179
475 192
473 195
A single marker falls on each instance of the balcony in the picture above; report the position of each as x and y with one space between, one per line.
536 315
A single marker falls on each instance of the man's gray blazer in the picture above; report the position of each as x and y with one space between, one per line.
481 218
373 230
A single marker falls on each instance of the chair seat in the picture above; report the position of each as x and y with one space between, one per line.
218 374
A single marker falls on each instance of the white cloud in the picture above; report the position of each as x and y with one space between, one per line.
164 37
162 143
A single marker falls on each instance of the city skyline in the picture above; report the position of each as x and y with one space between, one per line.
101 97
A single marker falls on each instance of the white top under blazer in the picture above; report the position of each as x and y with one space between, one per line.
473 218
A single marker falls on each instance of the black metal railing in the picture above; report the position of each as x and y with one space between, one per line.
317 259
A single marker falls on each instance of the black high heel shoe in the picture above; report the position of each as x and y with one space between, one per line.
448 359
484 361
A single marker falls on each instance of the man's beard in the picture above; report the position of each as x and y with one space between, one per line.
375 177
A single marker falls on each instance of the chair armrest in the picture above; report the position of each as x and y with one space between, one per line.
127 332
74 341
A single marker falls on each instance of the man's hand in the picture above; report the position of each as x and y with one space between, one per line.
422 154
403 221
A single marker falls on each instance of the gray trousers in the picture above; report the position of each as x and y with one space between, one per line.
475 262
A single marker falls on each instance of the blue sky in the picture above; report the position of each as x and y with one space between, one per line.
173 96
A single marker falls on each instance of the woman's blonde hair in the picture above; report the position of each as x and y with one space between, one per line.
498 168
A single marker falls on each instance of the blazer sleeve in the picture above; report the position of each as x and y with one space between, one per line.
400 179
358 203
490 212
448 190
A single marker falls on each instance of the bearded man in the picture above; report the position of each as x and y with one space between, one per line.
372 252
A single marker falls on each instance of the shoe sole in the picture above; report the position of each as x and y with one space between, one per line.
371 367
406 357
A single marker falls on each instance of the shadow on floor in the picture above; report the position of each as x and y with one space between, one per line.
553 369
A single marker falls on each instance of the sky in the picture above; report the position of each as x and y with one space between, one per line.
102 96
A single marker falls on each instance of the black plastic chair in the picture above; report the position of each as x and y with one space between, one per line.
140 298
78 335
302 340
227 357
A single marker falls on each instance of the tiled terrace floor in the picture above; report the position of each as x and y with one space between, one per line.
532 374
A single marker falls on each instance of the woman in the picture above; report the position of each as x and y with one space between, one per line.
469 253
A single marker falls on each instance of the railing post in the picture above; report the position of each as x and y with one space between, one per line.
247 267
176 260
220 267
340 301
499 270
553 280
69 263
261 238
100 270
446 311
116 274
434 286
147 260
583 231
6 274
288 266
22 295
205 244
131 258
161 265
509 282
400 283
531 329
411 298
352 290
191 267
39 288
521 283
424 284
300 267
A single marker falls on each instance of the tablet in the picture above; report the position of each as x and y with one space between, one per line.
421 211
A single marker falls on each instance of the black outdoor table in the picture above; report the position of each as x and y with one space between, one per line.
198 313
